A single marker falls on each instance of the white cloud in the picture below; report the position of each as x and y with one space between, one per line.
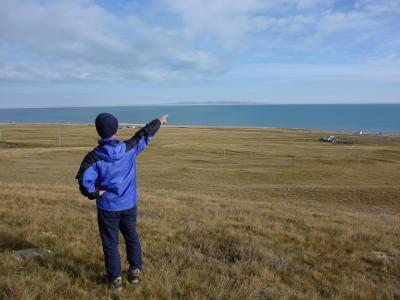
368 72
232 21
80 41
225 20
77 40
379 7
291 24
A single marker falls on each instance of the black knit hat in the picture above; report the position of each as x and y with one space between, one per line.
106 125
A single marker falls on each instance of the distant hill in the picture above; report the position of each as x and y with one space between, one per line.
213 103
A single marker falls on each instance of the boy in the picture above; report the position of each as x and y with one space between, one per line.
108 174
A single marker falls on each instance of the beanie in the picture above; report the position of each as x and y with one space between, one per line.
106 125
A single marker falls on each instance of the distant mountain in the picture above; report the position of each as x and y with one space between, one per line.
213 103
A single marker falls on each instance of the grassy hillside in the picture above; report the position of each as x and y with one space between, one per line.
276 215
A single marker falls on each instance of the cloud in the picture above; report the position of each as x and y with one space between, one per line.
270 73
224 20
290 25
80 41
379 7
231 22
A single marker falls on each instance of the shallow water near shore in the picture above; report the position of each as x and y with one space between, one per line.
375 118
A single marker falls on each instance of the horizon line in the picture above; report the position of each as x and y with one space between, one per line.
216 103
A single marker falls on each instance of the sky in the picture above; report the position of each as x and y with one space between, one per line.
110 52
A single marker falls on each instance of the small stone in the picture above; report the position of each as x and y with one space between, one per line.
32 253
48 234
382 255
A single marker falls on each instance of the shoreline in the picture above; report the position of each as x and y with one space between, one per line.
126 126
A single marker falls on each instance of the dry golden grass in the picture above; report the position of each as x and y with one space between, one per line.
282 216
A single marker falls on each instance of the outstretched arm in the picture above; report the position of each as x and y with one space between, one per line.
142 138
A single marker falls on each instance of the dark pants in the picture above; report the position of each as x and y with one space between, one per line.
110 223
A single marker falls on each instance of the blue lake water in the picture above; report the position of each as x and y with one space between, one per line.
369 117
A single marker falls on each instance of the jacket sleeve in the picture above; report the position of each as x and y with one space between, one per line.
87 176
142 138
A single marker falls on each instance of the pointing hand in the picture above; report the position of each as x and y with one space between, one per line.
163 119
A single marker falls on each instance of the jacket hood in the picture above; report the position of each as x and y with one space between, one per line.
110 149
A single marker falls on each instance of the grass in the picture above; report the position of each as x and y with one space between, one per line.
280 216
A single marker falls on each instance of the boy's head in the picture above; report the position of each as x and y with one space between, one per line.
106 125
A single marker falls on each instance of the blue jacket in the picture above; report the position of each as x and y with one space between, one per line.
112 167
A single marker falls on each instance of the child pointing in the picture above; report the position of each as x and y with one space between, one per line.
108 174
